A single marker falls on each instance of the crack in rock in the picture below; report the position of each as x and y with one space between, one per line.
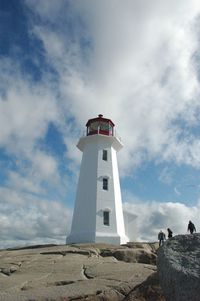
84 268
63 282
119 292
8 271
4 273
27 285
89 297
88 253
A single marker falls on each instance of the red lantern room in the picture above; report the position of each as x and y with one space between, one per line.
100 125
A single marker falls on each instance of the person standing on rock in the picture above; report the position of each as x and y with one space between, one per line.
191 227
170 233
161 237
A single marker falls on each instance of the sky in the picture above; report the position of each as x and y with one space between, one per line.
63 62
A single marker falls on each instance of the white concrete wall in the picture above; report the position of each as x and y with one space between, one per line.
130 223
84 216
92 200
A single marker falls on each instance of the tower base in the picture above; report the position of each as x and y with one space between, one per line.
111 238
98 237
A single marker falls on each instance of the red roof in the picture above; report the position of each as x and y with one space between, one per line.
100 118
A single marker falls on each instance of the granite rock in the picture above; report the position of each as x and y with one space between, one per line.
179 268
71 272
135 252
149 290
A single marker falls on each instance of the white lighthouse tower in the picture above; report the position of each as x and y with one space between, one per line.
98 214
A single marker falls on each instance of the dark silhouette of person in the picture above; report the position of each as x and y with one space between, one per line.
170 233
161 237
191 227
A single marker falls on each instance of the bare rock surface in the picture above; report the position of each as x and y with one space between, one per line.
179 268
149 290
75 272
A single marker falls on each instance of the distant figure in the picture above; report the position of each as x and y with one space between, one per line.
161 237
191 227
170 233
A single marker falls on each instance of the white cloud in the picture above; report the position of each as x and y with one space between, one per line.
23 183
25 109
151 217
138 69
166 175
177 191
27 215
44 165
49 9
52 42
26 220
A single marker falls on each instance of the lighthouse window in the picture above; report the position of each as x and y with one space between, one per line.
93 127
105 183
105 155
106 218
104 126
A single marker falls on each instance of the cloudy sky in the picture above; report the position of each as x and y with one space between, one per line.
63 62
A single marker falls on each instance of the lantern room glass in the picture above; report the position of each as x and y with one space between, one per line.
100 127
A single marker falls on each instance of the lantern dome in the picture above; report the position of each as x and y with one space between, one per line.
100 125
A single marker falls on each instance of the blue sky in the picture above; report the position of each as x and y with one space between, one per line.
63 62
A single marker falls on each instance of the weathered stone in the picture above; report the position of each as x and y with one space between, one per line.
149 290
179 268
76 272
135 255
152 247
139 255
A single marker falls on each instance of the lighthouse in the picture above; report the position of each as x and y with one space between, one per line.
98 214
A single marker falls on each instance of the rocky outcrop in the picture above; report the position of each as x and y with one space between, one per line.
77 272
149 290
179 268
135 252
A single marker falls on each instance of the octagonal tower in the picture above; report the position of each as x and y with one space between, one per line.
98 214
